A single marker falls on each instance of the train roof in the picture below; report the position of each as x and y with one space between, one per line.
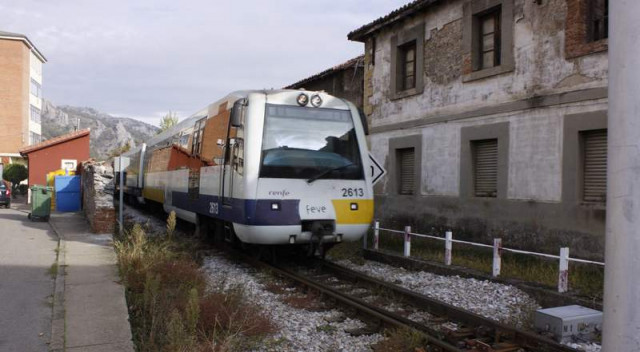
204 112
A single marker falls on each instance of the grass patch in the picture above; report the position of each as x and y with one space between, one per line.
170 306
401 340
53 270
584 279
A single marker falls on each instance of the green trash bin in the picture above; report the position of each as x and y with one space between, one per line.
40 202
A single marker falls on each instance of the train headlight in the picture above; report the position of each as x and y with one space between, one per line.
303 99
354 206
275 206
316 101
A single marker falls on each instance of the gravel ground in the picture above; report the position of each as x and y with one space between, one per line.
300 330
495 301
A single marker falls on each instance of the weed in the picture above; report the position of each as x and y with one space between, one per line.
53 270
401 340
351 251
171 224
168 306
585 280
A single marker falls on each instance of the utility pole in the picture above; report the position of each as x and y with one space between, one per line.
622 250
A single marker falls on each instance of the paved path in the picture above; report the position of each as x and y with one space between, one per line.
95 311
27 251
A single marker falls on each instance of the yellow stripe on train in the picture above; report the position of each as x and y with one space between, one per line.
155 194
346 216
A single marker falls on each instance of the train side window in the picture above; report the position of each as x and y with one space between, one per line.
196 143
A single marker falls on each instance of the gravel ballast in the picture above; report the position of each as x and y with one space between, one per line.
299 329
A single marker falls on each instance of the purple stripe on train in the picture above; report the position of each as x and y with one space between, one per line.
257 212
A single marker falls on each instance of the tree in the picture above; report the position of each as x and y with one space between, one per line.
117 151
167 121
15 173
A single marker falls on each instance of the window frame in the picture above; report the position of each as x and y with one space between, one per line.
395 144
472 12
572 164
578 40
498 131
33 108
397 42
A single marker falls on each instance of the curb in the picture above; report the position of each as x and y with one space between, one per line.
58 316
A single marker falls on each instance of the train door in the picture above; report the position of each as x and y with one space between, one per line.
233 153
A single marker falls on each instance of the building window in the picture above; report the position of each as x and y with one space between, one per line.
489 39
586 27
407 62
36 89
34 138
485 167
406 170
594 165
598 20
35 114
484 160
407 57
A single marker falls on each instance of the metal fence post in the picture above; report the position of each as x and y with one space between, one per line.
563 275
376 235
497 256
448 245
407 241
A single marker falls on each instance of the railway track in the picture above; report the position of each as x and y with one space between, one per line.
387 306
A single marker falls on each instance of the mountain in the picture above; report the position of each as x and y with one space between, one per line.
107 132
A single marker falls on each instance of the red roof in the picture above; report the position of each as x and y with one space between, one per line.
355 62
53 141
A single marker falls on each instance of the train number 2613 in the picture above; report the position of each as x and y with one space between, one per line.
352 192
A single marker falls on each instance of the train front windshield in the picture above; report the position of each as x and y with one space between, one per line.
309 143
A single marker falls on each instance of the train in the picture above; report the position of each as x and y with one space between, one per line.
285 168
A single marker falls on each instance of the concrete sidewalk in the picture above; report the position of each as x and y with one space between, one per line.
90 311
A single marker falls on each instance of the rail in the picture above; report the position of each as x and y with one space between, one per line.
563 257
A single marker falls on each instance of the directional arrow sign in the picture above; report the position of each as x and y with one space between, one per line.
375 169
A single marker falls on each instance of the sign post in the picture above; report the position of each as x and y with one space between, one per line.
120 164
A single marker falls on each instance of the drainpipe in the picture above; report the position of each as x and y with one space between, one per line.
622 250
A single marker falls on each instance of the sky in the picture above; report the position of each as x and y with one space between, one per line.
143 58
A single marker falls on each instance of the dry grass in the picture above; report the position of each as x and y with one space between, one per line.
169 307
401 340
584 279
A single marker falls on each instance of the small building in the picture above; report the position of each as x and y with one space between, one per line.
20 95
343 81
491 119
62 152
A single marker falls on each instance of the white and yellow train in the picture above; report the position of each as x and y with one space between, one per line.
275 167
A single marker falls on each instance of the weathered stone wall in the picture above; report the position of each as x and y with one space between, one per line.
97 196
554 76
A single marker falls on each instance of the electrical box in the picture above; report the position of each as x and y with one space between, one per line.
569 323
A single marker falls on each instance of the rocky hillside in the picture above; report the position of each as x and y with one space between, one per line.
107 132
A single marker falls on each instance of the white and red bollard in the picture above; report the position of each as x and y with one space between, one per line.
497 257
563 275
407 241
376 235
448 246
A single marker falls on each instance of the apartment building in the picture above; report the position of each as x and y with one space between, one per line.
490 117
20 95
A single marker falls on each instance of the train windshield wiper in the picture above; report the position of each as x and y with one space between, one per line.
326 172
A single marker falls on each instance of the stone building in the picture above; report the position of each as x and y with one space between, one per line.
20 94
491 116
344 81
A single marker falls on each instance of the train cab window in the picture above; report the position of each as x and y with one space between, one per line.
310 143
